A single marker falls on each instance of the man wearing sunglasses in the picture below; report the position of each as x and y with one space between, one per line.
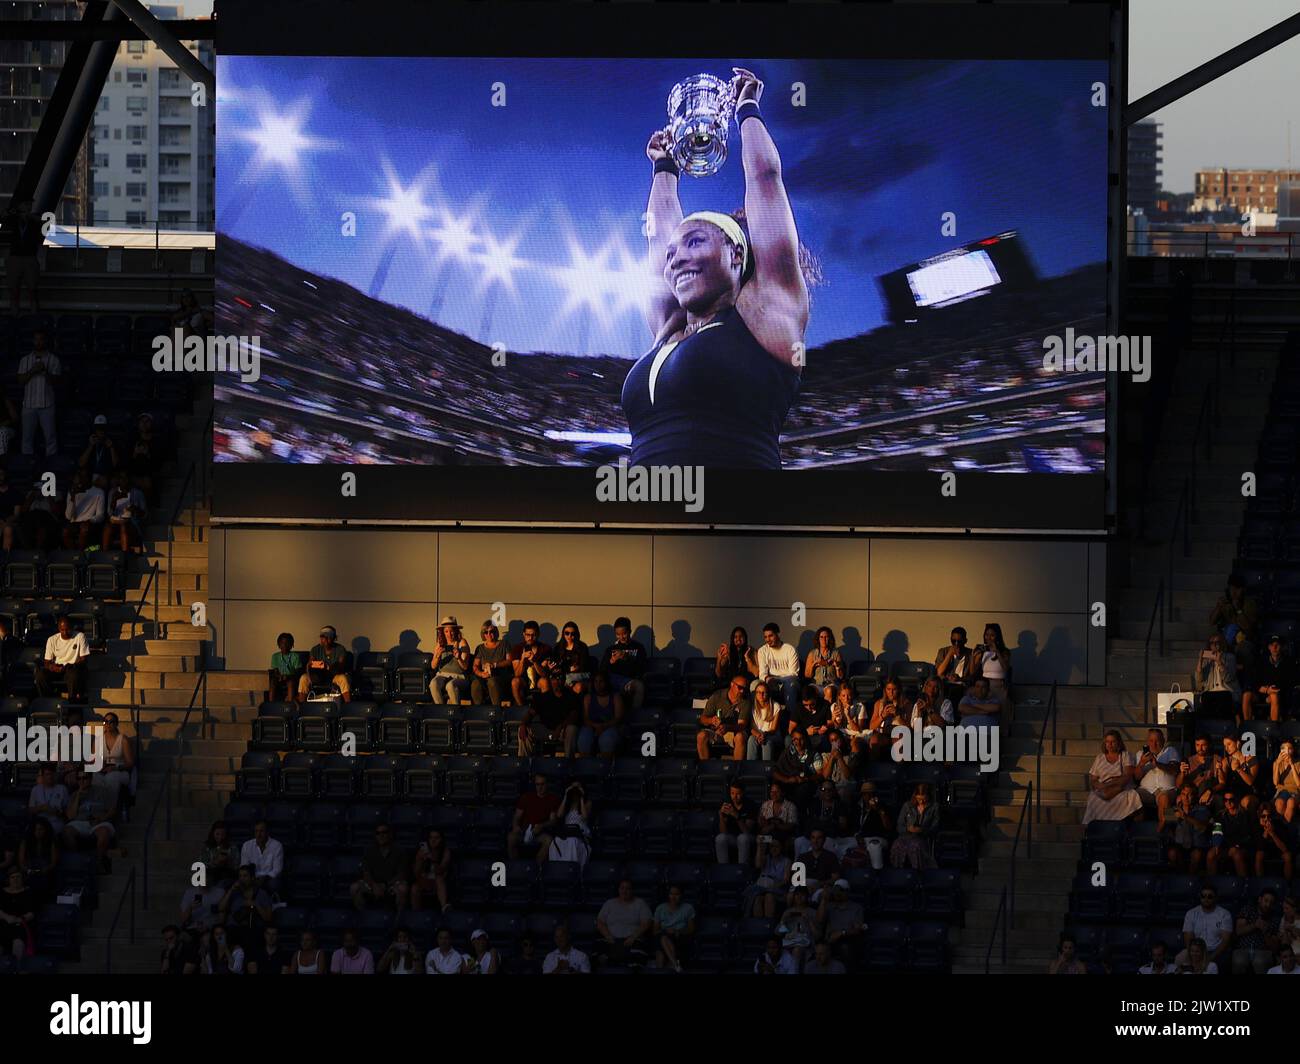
492 671
954 666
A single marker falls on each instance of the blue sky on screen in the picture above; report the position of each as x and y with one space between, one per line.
522 224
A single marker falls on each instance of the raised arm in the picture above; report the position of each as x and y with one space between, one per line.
663 214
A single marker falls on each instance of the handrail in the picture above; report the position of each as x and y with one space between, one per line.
171 526
1038 760
127 888
1157 610
174 765
153 583
999 922
1025 819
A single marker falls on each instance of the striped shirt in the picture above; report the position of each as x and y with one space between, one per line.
39 391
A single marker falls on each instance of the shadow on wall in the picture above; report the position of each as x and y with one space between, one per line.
1059 659
894 647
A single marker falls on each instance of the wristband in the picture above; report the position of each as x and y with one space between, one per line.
748 109
667 165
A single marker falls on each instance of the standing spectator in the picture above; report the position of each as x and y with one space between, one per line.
48 799
623 925
737 818
736 658
189 317
775 960
327 666
674 930
724 723
536 815
24 233
1208 923
625 660
99 459
918 823
65 659
1257 935
119 758
525 661
36 373
385 872
954 665
565 959
432 870
145 455
352 959
285 672
778 816
91 811
444 958
1113 796
1156 773
85 513
308 958
778 666
400 958
1270 678
993 662
127 510
265 855
764 740
824 665
269 958
491 668
220 858
451 664
1215 680
1191 839
552 715
602 718
485 960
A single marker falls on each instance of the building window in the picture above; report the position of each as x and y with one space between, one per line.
136 188
137 161
137 132
137 77
135 47
117 75
101 188
135 218
137 103
117 133
103 103
101 160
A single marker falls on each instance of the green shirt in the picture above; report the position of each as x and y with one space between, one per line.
674 920
734 716
286 664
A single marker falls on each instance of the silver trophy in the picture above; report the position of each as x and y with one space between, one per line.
699 113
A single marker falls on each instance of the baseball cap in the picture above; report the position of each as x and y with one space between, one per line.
329 631
842 884
478 933
100 419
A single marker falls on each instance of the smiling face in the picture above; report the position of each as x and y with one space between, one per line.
700 265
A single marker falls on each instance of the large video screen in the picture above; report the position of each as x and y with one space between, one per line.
777 290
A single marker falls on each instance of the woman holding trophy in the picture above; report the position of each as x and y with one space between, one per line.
729 307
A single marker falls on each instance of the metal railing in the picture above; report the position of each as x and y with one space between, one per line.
1157 613
999 924
128 889
1038 759
1227 240
1006 914
154 583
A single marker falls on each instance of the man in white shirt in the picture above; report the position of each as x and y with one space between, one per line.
1158 772
443 959
85 512
1158 965
266 855
775 960
1286 964
36 373
778 665
566 958
65 660
1209 922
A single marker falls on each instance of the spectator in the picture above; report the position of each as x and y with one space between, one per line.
35 373
839 768
99 459
1235 833
674 930
737 819
24 232
38 858
774 869
812 716
432 870
445 959
145 454
840 923
1286 781
1236 617
623 925
1201 770
932 708
571 836
385 872
1156 774
993 663
525 661
625 660
823 963
954 665
1270 678
1209 924
327 666
525 961
127 510
1238 773
1066 962
796 769
764 741
1158 965
38 524
602 718
552 716
308 958
223 955
1286 964
565 959
736 658
246 906
189 317
1195 960
778 666
1215 680
65 659
451 664
1257 939
918 823
1191 840
1273 840
491 681
798 925
775 960
1113 796
875 825
850 717
286 672
724 723
536 815
178 957
265 855
220 858
569 660
824 665
887 712
979 707
352 959
829 815
485 960
48 799
778 816
269 958
119 757
17 915
91 811
199 908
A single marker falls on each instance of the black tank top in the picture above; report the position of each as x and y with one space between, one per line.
719 400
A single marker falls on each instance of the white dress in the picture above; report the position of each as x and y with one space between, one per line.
1124 804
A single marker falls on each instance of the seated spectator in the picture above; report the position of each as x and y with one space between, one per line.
737 820
1066 962
308 958
624 924
887 712
432 870
484 958
178 956
1257 939
765 740
536 815
327 666
99 459
773 882
17 915
525 961
812 716
839 767
1286 781
875 825
1195 960
1269 679
199 908
39 522
932 708
246 906
850 717
48 799
286 671
451 664
352 959
602 718
85 512
798 925
565 959
444 958
571 835
491 669
525 662
1156 773
829 815
38 858
724 723
954 665
1236 617
1215 681
1289 929
1238 773
824 665
91 811
220 953
1208 923
65 661
1159 964
778 666
1273 840
775 960
674 930
568 660
1201 770
265 855
778 816
1235 836
1112 793
796 769
625 660
269 958
385 872
979 707
821 866
840 924
1191 838
736 658
1286 964
552 716
127 510
918 824
823 963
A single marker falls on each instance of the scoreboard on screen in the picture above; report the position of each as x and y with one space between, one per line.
995 263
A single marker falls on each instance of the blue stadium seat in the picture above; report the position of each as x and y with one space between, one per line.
422 779
480 730
381 777
274 728
398 728
927 947
258 775
361 720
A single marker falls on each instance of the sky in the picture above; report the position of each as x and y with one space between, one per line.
556 181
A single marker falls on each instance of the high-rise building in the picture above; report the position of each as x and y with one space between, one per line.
1144 171
1240 191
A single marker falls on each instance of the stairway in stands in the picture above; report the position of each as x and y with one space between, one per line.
1085 713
